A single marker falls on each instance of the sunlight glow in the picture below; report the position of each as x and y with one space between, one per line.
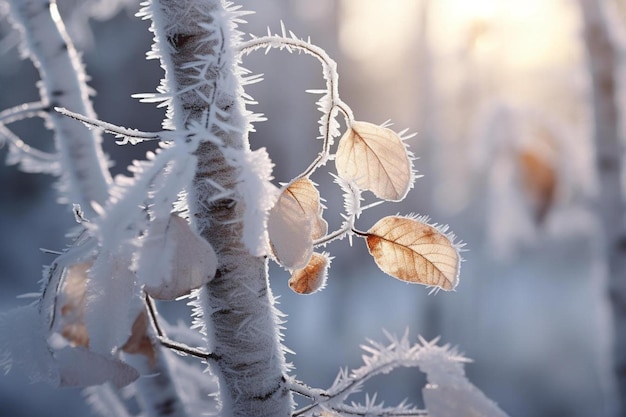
476 9
377 32
519 35
524 34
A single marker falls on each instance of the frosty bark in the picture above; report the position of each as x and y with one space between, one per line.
237 304
602 66
85 177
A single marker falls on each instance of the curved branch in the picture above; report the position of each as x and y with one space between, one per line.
23 111
329 71
382 359
30 159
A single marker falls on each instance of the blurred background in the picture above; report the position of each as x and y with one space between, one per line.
498 92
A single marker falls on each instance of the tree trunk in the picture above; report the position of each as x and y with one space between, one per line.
603 65
237 305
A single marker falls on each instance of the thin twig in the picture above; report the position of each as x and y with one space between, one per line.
23 111
171 344
130 135
23 148
329 73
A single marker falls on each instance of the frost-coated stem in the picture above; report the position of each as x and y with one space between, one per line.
332 104
602 58
193 39
63 83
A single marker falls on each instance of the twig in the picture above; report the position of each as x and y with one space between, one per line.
330 75
132 136
23 111
171 344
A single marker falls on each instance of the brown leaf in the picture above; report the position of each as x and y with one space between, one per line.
139 342
312 277
306 195
72 303
415 252
292 223
375 159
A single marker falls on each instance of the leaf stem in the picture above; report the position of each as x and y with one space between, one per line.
359 233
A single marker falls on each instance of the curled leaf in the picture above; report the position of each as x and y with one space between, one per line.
376 159
174 260
412 251
293 223
312 277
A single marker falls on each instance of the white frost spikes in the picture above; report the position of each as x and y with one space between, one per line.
376 159
174 260
413 251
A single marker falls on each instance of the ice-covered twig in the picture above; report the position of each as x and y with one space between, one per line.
352 205
169 343
329 104
444 370
29 159
132 136
23 111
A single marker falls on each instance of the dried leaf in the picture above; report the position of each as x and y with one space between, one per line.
305 193
290 227
375 159
312 277
139 341
413 251
174 260
72 301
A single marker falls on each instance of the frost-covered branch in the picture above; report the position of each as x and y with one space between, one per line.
329 104
23 111
29 159
169 343
85 177
132 136
444 371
